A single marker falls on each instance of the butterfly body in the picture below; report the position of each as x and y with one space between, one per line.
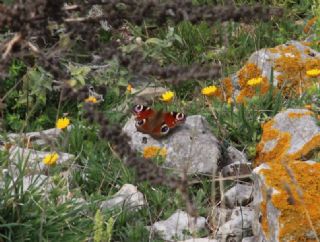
156 123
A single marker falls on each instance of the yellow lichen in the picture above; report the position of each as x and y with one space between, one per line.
293 207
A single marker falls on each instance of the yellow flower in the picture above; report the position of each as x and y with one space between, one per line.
153 151
50 159
62 123
209 91
229 101
91 99
308 106
254 81
167 96
313 72
129 88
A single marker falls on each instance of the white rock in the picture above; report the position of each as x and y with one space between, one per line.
128 197
178 226
240 224
190 147
34 158
199 240
240 194
237 169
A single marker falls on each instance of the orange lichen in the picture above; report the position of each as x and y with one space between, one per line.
299 115
227 87
282 143
249 72
309 24
313 144
312 63
154 151
292 79
293 220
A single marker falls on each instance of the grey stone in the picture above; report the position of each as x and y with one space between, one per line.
199 240
235 155
128 197
178 226
33 158
237 169
191 147
238 226
240 194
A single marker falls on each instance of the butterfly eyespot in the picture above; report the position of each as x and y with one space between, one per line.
138 108
180 116
164 129
140 122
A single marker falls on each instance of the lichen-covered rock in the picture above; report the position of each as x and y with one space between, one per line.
287 196
290 134
190 147
240 194
178 226
289 62
128 197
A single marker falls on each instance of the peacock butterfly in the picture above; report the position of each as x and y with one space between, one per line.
156 123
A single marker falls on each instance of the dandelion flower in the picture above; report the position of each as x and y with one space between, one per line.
167 96
50 159
308 106
154 151
313 72
129 88
254 81
91 99
209 91
62 123
229 101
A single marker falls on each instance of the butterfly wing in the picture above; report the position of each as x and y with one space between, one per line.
156 123
172 119
142 112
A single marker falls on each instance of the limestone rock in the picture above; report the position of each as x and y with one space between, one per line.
128 197
239 225
38 138
240 194
278 203
289 63
189 147
297 133
199 240
35 158
237 169
178 226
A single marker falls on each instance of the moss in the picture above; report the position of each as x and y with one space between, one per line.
293 220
